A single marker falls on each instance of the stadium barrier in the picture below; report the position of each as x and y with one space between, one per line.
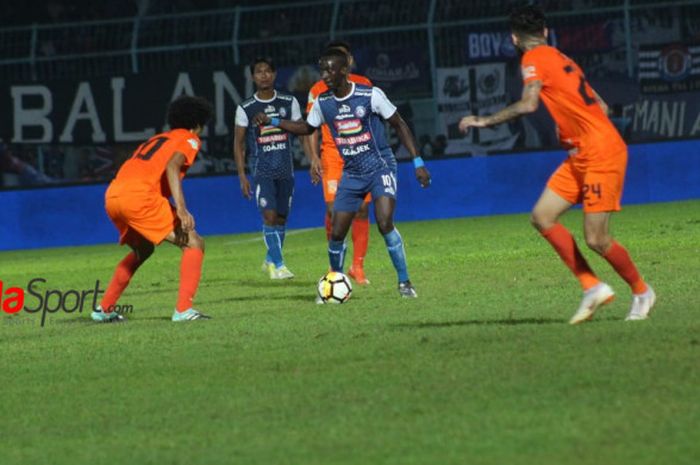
56 217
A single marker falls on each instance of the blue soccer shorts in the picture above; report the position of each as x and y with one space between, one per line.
274 194
353 189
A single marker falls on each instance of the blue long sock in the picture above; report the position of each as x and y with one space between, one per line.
274 245
336 255
282 231
394 244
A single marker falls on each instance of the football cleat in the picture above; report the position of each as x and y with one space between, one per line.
592 299
265 268
280 273
189 315
102 317
407 290
358 274
642 305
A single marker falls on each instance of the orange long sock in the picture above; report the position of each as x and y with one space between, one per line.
190 272
329 226
360 241
565 245
620 260
122 275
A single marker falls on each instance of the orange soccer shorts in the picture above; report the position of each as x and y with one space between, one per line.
597 186
138 215
332 173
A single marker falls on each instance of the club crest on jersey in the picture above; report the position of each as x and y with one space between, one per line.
360 111
283 112
348 127
193 143
344 109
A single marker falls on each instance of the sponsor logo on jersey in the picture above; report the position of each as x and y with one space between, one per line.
270 109
348 127
356 150
360 111
273 138
344 109
364 137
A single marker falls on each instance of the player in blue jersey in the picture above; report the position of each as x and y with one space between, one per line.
269 150
354 114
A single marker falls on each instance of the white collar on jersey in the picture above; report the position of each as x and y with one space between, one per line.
274 96
352 91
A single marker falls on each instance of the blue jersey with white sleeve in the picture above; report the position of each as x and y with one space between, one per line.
356 123
269 148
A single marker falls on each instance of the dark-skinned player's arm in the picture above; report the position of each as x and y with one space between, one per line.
298 128
239 157
172 172
528 103
408 141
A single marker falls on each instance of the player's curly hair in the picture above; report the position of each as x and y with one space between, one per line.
187 112
337 54
267 60
344 44
527 20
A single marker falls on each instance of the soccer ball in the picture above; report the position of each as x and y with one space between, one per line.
334 288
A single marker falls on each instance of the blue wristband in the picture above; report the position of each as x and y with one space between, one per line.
418 162
275 121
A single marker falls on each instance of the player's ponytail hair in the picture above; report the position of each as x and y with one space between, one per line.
527 20
187 112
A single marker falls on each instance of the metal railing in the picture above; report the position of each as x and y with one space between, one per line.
295 33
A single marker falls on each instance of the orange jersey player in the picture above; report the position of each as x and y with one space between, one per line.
137 203
593 174
331 170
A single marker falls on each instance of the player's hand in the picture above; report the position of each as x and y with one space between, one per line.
186 219
315 171
261 119
423 176
471 121
245 188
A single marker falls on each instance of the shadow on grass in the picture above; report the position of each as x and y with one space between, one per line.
250 298
499 322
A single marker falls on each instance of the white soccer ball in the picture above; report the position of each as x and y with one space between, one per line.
334 288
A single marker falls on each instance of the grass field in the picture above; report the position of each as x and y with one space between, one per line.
481 369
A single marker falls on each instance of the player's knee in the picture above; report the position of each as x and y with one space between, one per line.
599 243
541 221
196 241
385 225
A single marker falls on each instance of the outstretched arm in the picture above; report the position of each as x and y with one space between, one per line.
299 128
528 103
408 141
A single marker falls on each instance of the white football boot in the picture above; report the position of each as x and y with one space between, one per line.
280 273
592 299
642 305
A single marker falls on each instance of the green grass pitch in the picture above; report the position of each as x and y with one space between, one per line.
481 368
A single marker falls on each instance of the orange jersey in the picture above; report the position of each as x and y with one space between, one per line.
145 170
582 123
329 151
